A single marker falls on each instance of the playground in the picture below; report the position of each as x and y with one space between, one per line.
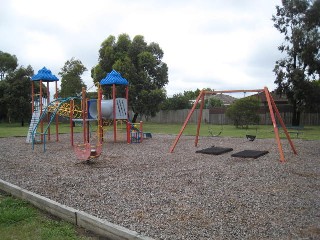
183 194
166 186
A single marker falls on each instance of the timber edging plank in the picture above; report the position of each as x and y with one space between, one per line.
76 217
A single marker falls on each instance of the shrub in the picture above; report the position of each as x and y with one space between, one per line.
244 112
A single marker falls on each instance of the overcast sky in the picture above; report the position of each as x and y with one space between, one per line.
221 44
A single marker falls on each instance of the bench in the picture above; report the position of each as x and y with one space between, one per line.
297 130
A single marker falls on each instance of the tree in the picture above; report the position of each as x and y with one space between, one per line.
141 64
8 63
244 112
16 97
214 102
3 103
299 22
177 101
181 100
71 82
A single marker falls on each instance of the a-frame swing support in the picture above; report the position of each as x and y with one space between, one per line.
274 114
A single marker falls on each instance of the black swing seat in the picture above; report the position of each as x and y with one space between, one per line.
215 135
251 137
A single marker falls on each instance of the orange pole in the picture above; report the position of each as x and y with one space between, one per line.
234 91
185 122
57 115
71 122
32 96
283 125
87 121
83 110
128 121
141 131
127 97
48 100
114 113
100 129
128 132
40 102
275 128
199 120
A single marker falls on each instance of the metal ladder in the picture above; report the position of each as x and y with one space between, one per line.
33 124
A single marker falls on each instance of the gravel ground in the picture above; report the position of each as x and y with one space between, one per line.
180 195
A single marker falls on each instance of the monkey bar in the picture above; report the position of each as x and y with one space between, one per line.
274 113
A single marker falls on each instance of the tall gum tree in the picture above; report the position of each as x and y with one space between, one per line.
8 63
297 72
71 82
141 64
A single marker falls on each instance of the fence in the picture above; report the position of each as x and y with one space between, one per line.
218 116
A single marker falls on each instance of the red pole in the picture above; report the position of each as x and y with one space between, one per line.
83 110
275 128
128 121
57 115
114 113
234 91
48 117
127 97
185 122
40 102
199 120
283 125
100 128
128 132
71 122
32 96
141 131
87 121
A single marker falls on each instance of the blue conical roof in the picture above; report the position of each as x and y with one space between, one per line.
45 75
114 78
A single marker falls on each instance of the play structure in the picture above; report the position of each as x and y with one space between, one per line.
274 114
98 112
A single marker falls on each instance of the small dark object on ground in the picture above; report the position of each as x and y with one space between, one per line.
215 150
250 154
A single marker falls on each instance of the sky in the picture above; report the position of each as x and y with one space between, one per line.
217 44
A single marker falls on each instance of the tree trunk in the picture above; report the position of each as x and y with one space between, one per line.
295 116
135 116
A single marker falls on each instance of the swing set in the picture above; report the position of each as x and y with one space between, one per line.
274 114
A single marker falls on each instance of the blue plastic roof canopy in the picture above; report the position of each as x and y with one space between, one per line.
114 78
45 75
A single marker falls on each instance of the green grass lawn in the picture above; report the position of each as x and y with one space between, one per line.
20 221
262 131
16 130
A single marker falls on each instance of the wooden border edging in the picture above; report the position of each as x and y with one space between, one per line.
79 218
